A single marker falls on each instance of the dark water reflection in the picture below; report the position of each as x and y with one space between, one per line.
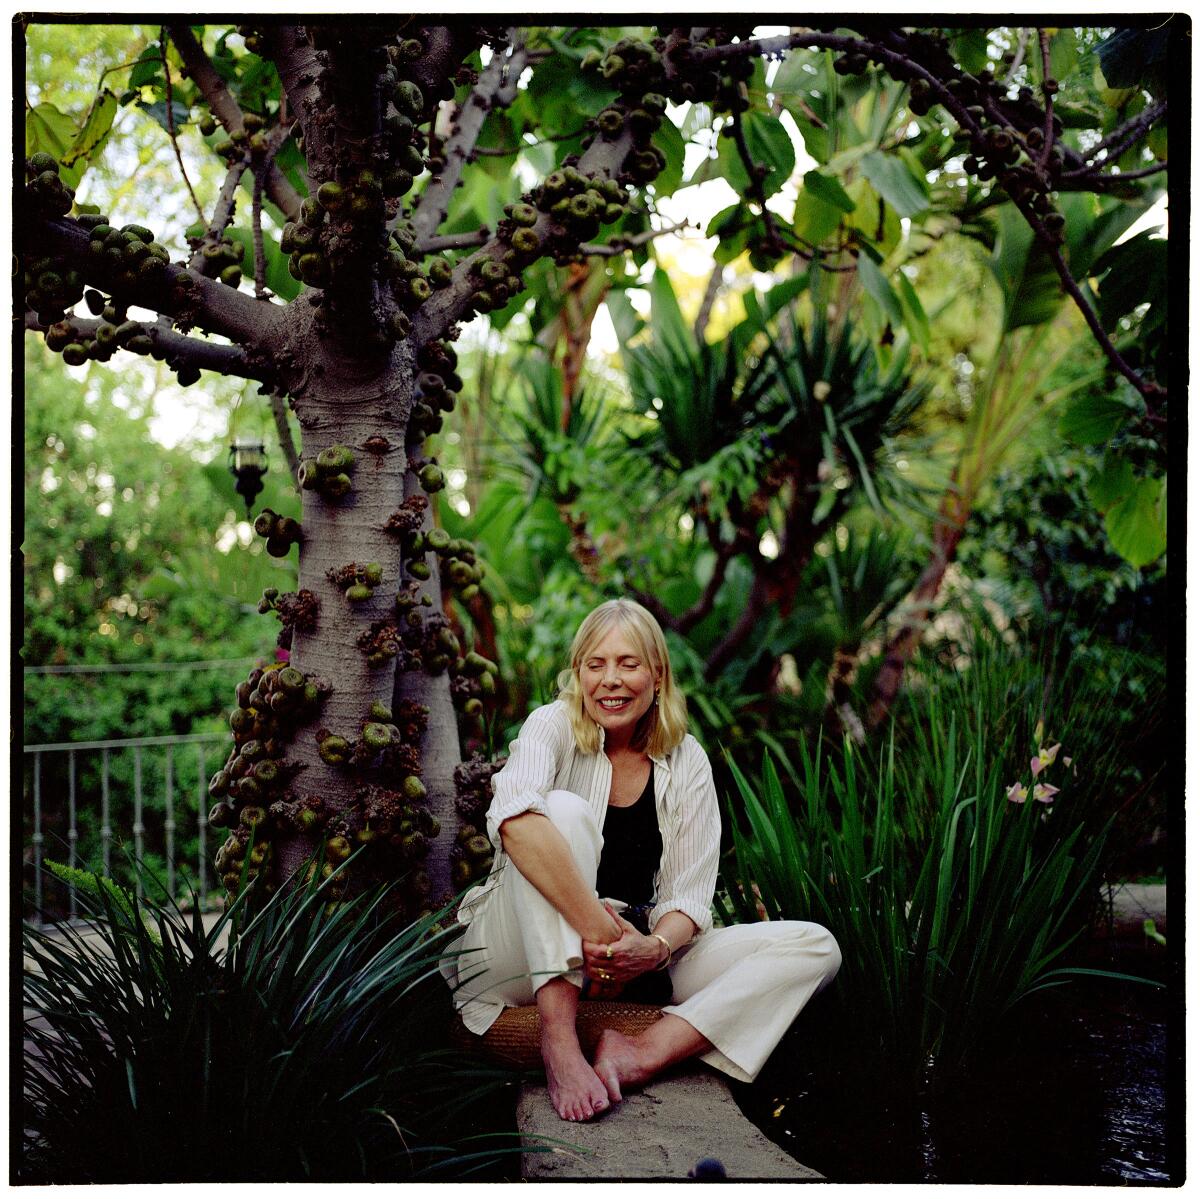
1074 1092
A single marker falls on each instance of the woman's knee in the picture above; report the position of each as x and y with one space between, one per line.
572 817
818 948
567 809
831 953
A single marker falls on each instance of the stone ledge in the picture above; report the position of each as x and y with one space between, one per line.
658 1133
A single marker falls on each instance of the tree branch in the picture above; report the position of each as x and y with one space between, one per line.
1018 57
166 66
175 348
756 174
497 86
1048 93
1119 140
261 168
706 304
294 57
654 606
222 211
1088 181
445 48
225 108
726 552
212 306
618 245
1147 389
284 429
260 264
454 241
437 314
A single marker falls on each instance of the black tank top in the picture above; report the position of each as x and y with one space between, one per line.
632 850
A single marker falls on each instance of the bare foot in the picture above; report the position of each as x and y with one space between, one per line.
575 1089
620 1062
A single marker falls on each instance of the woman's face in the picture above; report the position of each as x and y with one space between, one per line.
618 685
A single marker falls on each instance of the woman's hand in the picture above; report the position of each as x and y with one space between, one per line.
621 960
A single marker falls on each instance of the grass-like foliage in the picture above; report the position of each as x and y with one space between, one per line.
954 874
294 1041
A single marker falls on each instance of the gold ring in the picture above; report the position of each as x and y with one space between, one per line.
608 951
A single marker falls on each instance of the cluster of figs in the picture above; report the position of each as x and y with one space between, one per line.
132 265
272 702
1006 132
472 855
338 230
394 820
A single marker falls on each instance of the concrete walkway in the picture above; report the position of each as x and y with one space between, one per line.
1135 903
660 1133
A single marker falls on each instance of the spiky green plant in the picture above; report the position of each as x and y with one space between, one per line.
301 1041
951 902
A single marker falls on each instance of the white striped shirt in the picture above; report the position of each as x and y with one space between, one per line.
545 758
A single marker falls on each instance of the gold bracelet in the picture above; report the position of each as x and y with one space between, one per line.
666 961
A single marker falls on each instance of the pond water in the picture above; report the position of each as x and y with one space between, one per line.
1077 1095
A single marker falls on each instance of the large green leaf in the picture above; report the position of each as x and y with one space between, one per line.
817 141
879 289
1064 52
733 226
795 74
91 138
626 321
877 223
148 68
815 220
180 113
1137 525
784 293
1111 483
665 314
1135 272
1031 287
1130 56
828 190
770 145
1091 233
892 179
52 132
668 139
970 49
916 321
1092 419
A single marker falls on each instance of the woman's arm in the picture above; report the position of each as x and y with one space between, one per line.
540 852
522 784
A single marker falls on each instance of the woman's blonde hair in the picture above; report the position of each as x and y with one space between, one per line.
664 726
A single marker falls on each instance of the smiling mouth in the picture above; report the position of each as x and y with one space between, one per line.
614 705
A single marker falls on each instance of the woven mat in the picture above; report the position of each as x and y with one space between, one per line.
513 1038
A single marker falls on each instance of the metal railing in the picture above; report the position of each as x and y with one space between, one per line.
189 806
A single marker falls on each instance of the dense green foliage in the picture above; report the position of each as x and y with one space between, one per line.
292 1043
957 863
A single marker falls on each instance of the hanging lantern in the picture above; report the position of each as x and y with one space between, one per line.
248 464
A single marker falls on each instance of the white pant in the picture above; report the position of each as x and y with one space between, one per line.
739 987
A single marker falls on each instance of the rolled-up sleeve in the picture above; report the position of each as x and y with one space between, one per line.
528 776
688 874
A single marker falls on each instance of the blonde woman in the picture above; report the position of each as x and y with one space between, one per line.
608 829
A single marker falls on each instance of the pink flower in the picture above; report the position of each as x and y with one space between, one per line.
1017 794
1045 757
1044 793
